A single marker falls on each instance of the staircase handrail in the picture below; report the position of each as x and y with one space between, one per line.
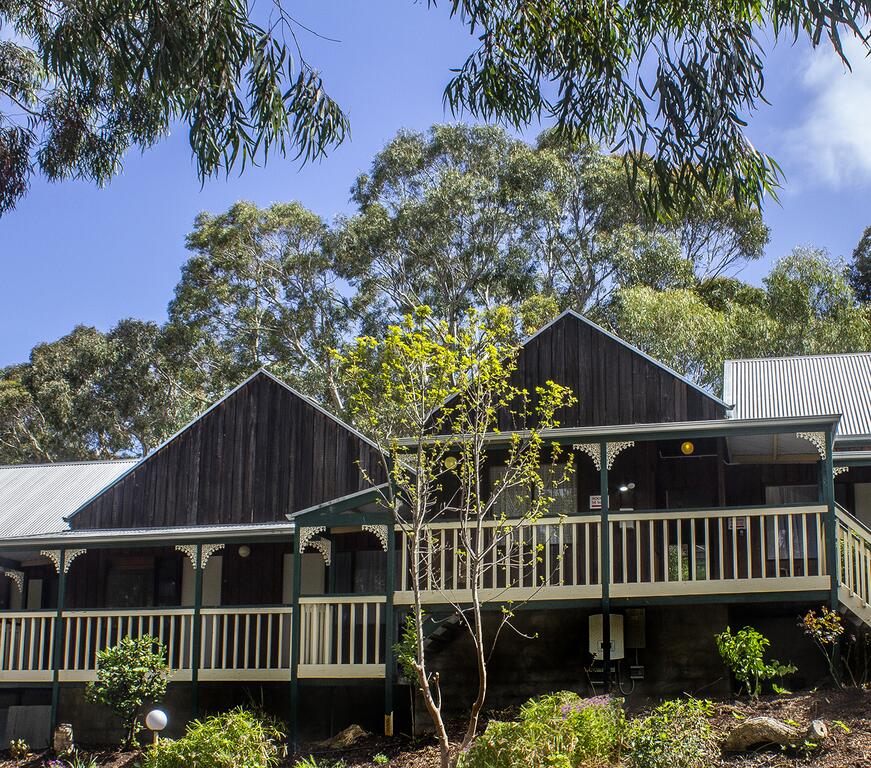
852 521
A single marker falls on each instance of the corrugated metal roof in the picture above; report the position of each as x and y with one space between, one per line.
35 498
809 385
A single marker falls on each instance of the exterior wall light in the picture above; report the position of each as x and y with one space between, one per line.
687 448
450 462
244 550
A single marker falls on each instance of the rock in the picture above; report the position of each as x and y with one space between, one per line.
756 731
62 741
346 738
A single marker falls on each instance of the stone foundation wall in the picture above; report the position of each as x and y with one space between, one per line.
679 655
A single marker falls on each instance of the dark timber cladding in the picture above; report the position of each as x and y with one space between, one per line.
614 382
260 453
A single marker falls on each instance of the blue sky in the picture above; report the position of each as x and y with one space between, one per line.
72 253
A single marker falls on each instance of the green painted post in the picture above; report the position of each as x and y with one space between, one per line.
196 631
389 630
58 637
605 557
828 487
295 628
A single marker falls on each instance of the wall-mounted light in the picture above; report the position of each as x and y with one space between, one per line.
623 487
244 550
687 448
450 462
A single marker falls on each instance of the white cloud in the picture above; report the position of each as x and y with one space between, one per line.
833 135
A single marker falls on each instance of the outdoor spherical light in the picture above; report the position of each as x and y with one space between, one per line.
451 462
244 550
686 448
156 721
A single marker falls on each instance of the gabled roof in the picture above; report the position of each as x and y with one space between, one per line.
260 372
808 385
35 498
623 342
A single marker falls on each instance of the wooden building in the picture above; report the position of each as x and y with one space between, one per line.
252 543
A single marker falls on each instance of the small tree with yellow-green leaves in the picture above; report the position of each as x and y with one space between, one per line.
434 398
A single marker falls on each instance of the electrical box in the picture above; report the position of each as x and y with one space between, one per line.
617 645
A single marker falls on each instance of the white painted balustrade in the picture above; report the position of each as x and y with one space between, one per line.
245 643
26 645
676 552
85 633
686 552
342 636
554 558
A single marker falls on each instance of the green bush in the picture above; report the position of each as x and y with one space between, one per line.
129 674
561 730
676 734
229 740
744 652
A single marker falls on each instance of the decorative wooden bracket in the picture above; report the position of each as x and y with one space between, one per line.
17 577
54 556
307 538
592 450
381 531
839 471
817 439
307 533
191 551
325 547
612 451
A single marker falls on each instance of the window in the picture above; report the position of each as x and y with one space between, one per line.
130 583
791 494
516 502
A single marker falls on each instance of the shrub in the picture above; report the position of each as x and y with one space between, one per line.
231 739
19 749
311 762
825 630
743 653
676 734
561 730
128 675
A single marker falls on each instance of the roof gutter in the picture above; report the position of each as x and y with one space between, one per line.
719 427
159 536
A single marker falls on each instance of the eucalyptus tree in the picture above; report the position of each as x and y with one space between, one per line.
260 290
441 222
94 395
860 268
81 83
469 217
675 81
810 298
805 306
597 238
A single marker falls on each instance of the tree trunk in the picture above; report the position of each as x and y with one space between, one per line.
757 731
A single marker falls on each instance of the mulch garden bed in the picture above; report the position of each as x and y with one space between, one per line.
847 714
